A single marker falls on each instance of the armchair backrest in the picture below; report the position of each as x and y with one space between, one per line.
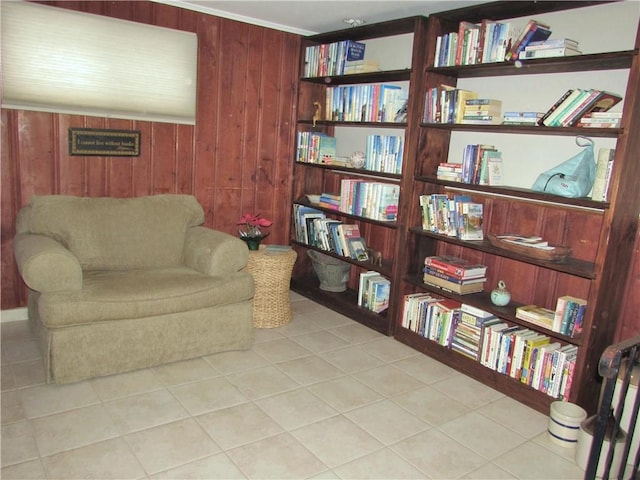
115 233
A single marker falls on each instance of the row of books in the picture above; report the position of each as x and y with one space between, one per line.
487 42
481 165
523 354
365 103
566 319
604 119
384 153
374 200
452 215
315 229
557 47
331 59
446 104
529 357
315 147
576 107
575 103
373 291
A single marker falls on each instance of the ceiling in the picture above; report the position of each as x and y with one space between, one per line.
306 17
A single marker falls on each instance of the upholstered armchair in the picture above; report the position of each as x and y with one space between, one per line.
123 284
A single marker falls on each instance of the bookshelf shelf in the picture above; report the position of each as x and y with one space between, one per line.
502 383
354 171
325 123
570 266
577 63
516 192
345 303
356 78
385 269
526 130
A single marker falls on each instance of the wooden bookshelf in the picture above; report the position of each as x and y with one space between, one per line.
601 234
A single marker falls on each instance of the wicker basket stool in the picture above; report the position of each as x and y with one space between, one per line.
271 273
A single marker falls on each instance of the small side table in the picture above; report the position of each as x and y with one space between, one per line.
271 273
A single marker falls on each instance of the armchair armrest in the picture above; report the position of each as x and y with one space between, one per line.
45 264
213 252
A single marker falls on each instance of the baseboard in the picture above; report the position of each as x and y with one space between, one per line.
13 315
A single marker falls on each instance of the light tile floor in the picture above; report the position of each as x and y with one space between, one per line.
320 398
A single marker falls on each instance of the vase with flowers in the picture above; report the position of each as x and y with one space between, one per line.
251 229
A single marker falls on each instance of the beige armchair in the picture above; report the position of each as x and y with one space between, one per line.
122 284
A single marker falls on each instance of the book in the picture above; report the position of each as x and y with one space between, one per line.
378 294
470 226
604 165
456 266
555 106
552 43
460 289
495 171
345 232
549 53
358 249
530 344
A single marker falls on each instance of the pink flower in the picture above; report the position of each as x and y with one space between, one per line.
252 224
254 221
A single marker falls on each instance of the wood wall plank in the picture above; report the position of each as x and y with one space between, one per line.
236 158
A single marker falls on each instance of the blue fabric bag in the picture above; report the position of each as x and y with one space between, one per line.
573 178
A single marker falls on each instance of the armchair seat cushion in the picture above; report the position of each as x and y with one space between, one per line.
113 295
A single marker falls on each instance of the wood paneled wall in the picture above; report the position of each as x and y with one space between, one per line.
236 159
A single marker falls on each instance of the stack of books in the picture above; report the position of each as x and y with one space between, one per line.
467 333
556 47
521 118
329 200
454 274
541 316
482 111
600 120
456 216
451 172
373 291
574 104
